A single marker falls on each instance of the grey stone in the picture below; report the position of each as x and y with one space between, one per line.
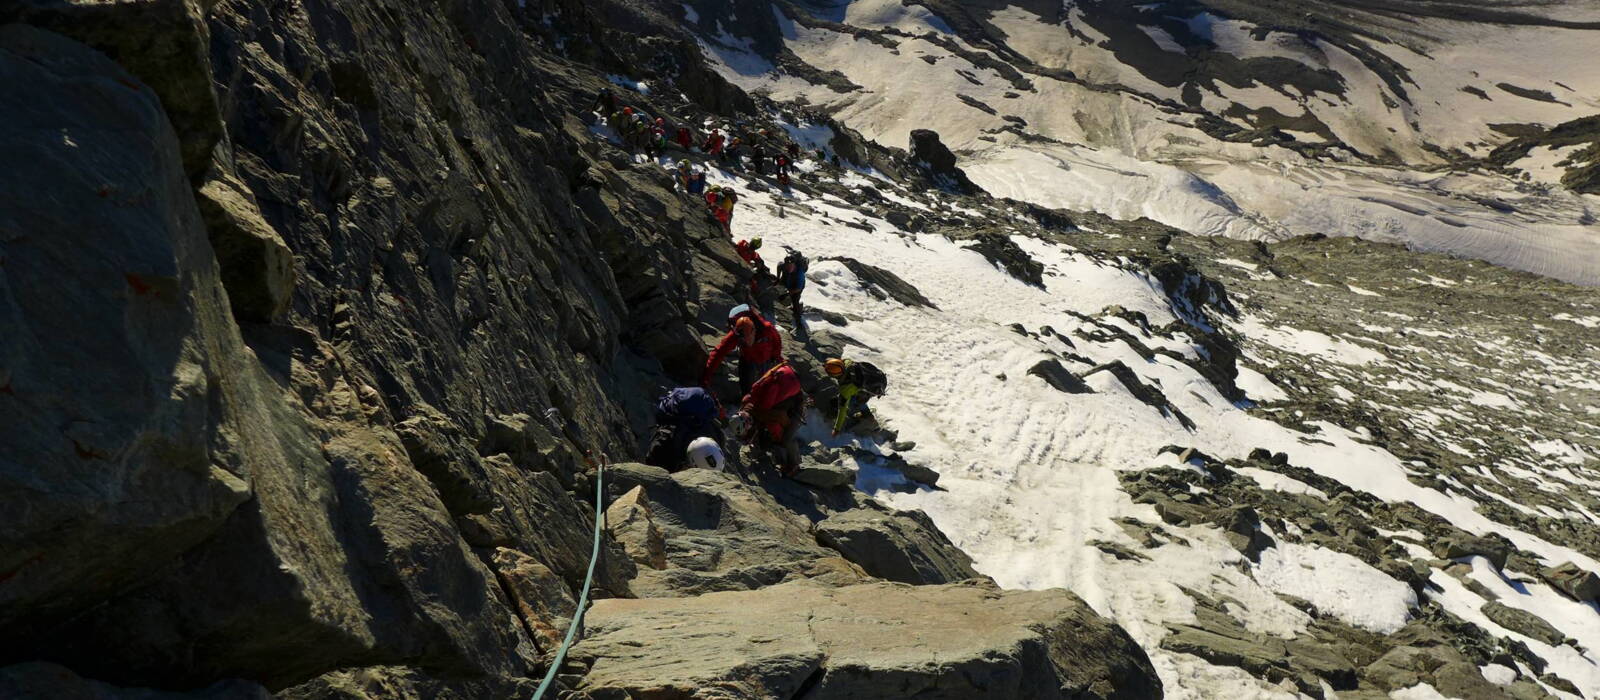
919 473
132 407
257 267
538 595
721 534
884 284
824 476
1568 578
1522 622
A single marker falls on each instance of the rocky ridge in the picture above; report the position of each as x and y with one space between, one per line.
384 504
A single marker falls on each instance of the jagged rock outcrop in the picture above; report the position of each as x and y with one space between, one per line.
1007 255
961 641
937 163
303 495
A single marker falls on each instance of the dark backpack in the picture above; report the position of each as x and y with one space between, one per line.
871 379
686 406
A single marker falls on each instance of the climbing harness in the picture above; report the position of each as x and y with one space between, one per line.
588 580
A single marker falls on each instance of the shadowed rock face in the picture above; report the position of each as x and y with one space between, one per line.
191 501
131 407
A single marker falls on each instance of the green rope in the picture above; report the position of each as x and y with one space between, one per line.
588 579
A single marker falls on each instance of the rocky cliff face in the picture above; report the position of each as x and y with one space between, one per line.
316 318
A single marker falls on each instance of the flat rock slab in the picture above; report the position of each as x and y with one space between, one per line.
799 640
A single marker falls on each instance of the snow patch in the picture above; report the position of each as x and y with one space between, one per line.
1338 584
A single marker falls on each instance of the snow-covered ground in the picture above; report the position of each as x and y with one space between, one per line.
1030 474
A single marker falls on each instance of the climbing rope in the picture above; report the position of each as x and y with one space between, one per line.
588 580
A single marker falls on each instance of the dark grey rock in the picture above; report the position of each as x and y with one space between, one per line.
884 284
1494 547
902 546
1059 377
1522 622
1008 256
824 476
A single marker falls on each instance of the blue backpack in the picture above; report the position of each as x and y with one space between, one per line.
687 406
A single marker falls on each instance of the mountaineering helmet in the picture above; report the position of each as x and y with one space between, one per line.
683 164
834 367
755 243
627 111
705 453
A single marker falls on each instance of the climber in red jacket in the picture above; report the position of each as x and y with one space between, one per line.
747 251
759 347
774 410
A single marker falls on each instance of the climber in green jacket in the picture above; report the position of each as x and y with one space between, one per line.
858 382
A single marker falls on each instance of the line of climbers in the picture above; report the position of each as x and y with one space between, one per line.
691 424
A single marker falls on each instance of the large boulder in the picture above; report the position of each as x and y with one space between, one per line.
961 641
629 521
257 266
824 476
902 546
720 534
1059 377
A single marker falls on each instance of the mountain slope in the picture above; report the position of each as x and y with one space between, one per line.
1221 118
